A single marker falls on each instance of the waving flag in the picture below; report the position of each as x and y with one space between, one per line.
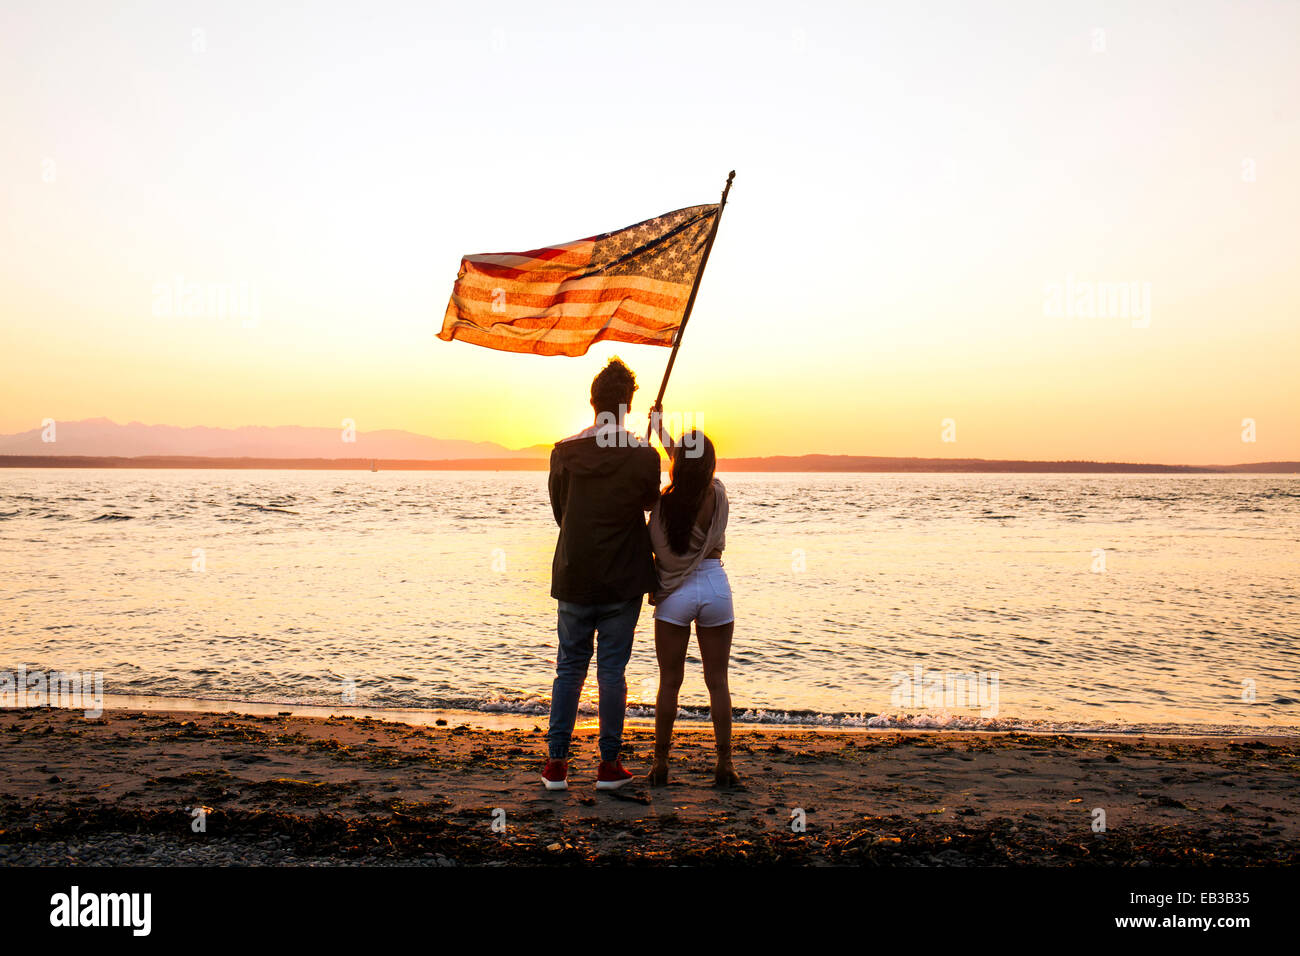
631 285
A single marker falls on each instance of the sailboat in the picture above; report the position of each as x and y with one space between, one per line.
374 465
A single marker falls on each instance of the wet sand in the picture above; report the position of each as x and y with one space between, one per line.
286 789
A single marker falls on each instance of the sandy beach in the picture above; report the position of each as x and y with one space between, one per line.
128 788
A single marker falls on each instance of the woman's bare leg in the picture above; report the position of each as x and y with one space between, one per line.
715 652
671 641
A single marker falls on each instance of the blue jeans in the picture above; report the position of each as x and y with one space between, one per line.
578 623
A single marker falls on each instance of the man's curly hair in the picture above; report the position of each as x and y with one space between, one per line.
612 387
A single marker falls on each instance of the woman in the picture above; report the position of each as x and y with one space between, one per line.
688 532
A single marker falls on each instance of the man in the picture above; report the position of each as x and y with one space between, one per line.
602 482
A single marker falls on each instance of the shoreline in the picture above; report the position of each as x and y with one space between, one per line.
275 790
642 716
506 720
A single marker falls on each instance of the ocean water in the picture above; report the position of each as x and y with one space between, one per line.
1090 602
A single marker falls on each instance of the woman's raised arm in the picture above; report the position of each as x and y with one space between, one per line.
657 426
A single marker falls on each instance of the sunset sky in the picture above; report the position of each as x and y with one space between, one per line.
915 183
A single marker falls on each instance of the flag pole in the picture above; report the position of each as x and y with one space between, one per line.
690 303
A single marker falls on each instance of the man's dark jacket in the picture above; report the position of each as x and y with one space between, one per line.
600 496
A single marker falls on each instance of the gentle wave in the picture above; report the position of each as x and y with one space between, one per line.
540 708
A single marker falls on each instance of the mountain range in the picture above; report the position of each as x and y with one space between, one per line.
103 437
101 443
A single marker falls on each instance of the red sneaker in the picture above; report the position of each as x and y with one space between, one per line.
611 776
556 775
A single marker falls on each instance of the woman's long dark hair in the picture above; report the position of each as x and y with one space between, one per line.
691 474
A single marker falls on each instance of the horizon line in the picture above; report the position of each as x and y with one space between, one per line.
762 463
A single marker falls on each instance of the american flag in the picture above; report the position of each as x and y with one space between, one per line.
630 285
